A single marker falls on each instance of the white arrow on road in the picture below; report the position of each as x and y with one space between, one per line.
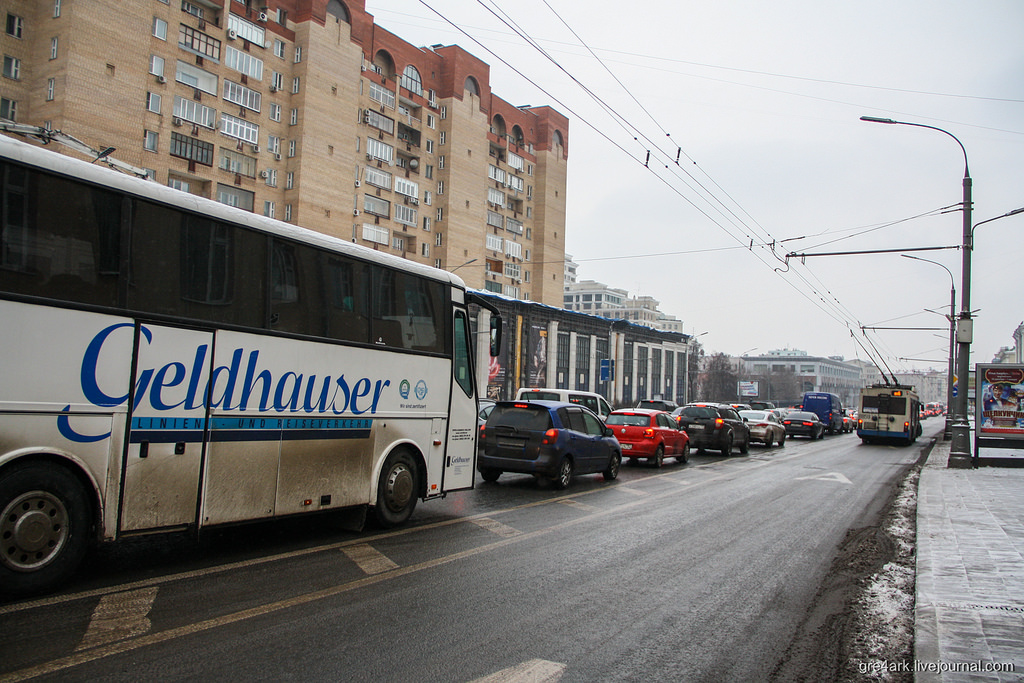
533 671
831 476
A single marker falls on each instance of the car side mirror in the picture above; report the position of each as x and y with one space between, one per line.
608 431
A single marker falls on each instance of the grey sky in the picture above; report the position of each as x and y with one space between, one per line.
763 100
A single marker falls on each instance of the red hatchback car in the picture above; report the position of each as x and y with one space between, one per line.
650 434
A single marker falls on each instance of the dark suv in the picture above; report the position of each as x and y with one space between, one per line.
658 404
548 439
713 425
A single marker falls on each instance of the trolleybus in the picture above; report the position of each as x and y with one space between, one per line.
889 413
170 362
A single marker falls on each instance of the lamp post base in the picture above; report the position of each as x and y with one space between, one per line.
947 433
960 456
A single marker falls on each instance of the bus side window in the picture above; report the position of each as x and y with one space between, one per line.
59 239
347 306
296 290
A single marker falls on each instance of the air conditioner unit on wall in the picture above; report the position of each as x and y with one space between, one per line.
263 16
263 174
358 183
232 34
256 148
161 79
355 212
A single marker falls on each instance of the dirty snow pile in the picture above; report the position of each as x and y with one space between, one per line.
884 611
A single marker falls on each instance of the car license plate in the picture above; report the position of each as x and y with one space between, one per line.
627 446
510 443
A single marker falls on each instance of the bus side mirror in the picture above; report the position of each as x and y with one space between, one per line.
495 335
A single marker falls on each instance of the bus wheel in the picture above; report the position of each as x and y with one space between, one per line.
490 474
44 527
397 489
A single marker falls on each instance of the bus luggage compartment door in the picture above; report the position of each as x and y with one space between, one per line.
167 427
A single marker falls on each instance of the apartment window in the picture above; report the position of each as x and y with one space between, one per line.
379 150
411 80
151 141
494 219
426 225
440 162
159 28
440 214
438 238
179 184
526 255
379 93
298 54
515 182
278 48
376 206
273 144
496 174
194 112
406 215
56 8
275 112
156 65
513 270
431 121
430 146
287 212
425 250
152 101
272 177
197 78
268 209
377 177
194 10
495 196
247 30
442 138
243 62
239 128
236 162
8 109
12 67
494 242
49 89
407 187
427 197
292 144
294 120
440 187
53 47
198 42
428 172
15 25
276 81
235 196
242 96
444 112
372 233
398 243
295 85
378 120
513 249
194 149
515 161
437 263
289 180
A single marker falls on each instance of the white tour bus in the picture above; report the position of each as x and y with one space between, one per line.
170 362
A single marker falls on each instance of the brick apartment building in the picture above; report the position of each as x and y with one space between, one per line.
309 112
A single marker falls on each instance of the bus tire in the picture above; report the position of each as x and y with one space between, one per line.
44 528
397 489
490 474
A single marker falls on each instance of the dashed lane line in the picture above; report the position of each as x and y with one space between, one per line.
369 559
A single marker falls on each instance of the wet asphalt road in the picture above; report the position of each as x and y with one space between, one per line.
689 572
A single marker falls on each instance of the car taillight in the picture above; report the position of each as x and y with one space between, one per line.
483 431
550 437
808 424
719 423
648 433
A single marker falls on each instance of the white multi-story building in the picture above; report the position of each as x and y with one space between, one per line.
811 373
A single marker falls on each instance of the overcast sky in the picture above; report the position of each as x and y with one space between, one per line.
761 102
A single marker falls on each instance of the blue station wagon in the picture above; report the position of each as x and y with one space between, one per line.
549 439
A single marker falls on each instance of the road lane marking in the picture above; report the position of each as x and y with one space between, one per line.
633 491
494 526
369 559
533 671
576 504
831 476
119 616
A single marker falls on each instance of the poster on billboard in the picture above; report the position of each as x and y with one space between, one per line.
537 363
999 408
747 388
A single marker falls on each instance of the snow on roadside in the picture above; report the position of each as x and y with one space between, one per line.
883 620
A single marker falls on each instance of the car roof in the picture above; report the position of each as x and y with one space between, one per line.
638 411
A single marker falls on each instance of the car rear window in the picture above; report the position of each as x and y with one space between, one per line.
753 414
542 396
628 419
801 416
699 411
523 418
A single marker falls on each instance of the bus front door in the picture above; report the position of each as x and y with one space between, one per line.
163 459
460 456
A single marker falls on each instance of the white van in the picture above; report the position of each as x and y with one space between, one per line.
587 399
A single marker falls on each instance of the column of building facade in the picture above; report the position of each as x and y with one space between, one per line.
595 371
572 361
551 380
617 344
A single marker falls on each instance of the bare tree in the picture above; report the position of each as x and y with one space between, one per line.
718 381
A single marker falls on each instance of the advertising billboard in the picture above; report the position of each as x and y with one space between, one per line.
999 409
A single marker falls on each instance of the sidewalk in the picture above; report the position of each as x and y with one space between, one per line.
969 614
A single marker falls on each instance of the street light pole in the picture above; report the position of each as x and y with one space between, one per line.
960 452
947 433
